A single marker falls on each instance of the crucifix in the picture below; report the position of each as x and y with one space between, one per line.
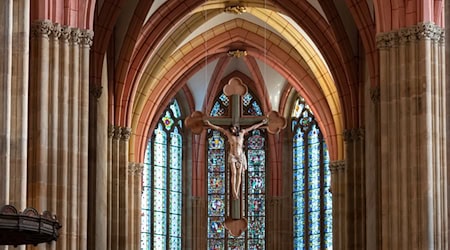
237 161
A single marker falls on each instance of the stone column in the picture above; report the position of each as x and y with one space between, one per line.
123 190
98 169
63 136
354 189
198 220
58 127
134 203
5 97
19 103
372 149
279 226
413 139
447 92
114 190
337 169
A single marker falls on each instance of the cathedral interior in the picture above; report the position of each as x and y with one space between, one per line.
105 142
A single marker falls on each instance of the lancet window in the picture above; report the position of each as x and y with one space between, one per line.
161 223
311 182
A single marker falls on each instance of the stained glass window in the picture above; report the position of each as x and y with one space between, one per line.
311 182
253 184
162 183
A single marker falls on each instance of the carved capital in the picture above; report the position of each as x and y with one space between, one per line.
65 33
125 134
336 166
429 31
354 134
117 132
110 130
41 28
56 31
86 38
375 94
75 35
96 91
135 168
386 40
421 31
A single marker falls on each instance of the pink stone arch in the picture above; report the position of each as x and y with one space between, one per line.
396 14
73 13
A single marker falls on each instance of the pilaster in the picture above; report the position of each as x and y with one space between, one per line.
413 138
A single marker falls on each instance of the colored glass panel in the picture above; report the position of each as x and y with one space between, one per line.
311 182
162 184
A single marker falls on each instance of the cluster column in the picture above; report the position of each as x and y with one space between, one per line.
413 138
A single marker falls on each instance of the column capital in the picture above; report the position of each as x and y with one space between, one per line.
135 168
375 94
96 90
336 166
125 134
116 132
41 28
420 31
354 134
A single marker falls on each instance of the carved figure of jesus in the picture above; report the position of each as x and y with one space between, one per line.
237 161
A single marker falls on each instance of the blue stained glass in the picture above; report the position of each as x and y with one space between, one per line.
145 222
216 245
146 191
256 182
216 205
160 154
255 244
246 99
299 203
161 210
159 225
174 243
216 141
299 180
224 100
310 171
159 202
256 142
175 202
146 241
159 242
215 227
217 110
256 206
175 180
256 160
256 227
299 224
175 107
314 242
175 225
236 244
160 177
256 110
216 183
216 160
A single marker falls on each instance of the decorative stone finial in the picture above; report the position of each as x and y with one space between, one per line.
235 9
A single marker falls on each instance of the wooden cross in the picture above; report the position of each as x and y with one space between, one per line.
235 89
